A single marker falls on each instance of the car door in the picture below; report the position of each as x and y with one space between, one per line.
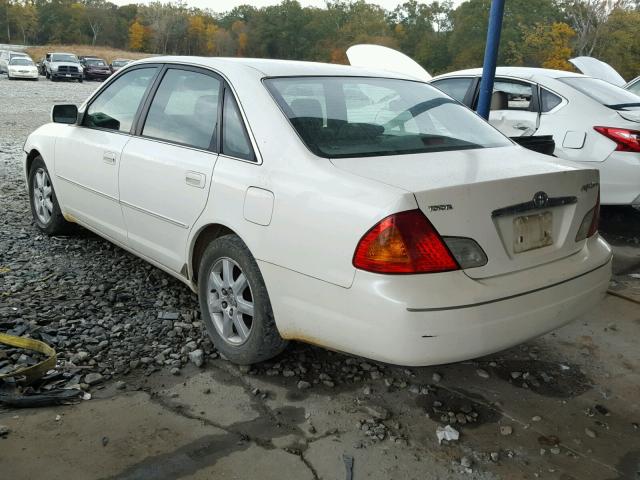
87 156
167 168
514 107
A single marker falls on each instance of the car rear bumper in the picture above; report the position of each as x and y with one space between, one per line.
620 179
432 319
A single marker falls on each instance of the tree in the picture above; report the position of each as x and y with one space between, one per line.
136 36
548 46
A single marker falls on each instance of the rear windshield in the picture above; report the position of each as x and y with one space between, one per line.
95 62
340 117
605 93
64 57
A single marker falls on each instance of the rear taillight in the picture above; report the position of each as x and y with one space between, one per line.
589 225
404 242
626 140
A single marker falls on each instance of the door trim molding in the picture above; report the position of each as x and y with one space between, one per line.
154 214
89 189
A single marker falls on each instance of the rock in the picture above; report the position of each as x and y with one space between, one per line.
515 375
120 385
482 373
168 315
197 357
590 433
495 456
466 462
302 385
4 431
506 430
105 441
555 450
93 378
175 371
436 377
536 418
447 433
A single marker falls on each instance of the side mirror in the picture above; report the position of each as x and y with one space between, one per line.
64 114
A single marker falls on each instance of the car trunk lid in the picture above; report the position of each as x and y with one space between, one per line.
494 196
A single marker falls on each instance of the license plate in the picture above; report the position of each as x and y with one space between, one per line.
67 75
532 231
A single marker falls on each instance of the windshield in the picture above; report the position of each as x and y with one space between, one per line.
64 57
605 93
20 61
340 117
95 62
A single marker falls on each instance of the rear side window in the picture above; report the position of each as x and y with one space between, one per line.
635 87
116 106
184 109
549 100
454 87
604 93
235 140
508 95
361 116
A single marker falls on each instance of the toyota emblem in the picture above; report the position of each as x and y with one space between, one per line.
540 199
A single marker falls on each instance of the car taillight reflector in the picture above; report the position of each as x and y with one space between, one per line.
626 140
589 225
404 242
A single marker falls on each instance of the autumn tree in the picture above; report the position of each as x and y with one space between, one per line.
136 36
548 46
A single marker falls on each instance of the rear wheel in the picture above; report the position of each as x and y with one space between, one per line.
44 204
235 304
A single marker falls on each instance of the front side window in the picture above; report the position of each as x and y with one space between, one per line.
604 92
116 106
235 140
358 116
185 109
454 87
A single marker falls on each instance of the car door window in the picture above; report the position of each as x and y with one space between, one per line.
509 95
548 100
454 87
116 106
184 109
235 140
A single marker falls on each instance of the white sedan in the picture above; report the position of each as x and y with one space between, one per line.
591 121
354 209
22 67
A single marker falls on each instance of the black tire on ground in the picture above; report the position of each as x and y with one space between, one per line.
56 224
264 340
79 80
46 75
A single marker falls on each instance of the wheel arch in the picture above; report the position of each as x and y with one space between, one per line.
207 234
31 156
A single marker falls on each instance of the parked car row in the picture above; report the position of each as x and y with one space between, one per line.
58 66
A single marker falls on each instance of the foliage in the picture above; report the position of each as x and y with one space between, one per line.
440 37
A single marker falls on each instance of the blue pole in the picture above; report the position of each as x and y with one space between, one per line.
490 57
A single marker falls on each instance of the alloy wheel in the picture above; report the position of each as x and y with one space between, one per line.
230 301
42 196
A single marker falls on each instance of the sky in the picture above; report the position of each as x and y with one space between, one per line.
226 5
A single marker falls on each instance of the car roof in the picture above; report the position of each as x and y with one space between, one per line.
521 72
276 68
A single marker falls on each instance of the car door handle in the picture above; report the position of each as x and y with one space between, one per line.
109 158
195 179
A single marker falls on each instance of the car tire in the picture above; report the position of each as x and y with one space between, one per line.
44 203
79 80
236 313
46 75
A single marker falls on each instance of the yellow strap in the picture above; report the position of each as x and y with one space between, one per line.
35 371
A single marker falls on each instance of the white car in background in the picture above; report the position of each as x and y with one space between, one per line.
592 121
22 68
354 209
6 56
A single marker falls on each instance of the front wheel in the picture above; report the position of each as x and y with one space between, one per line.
44 203
235 304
